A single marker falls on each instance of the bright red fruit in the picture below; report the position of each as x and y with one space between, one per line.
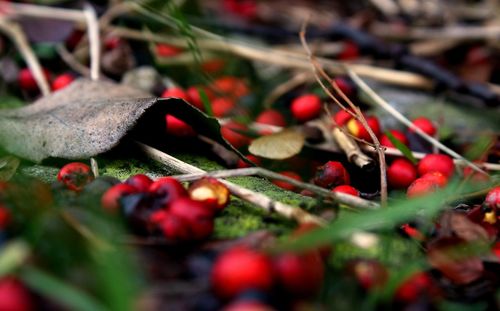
177 127
244 8
437 177
168 189
62 81
193 94
331 174
492 199
14 296
140 181
222 106
111 198
175 92
306 107
425 125
349 52
342 117
421 187
175 228
436 163
251 157
417 285
75 175
401 173
300 274
284 184
240 269
165 50
230 131
346 189
231 86
385 141
27 81
197 215
357 129
271 117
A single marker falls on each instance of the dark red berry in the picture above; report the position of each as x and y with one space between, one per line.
198 216
75 175
167 190
213 65
27 81
345 86
243 164
401 173
347 189
175 92
165 50
342 117
414 287
246 9
240 269
425 125
222 106
111 198
175 228
62 81
421 187
156 217
357 129
306 107
331 174
271 117
177 127
231 132
300 274
14 296
4 217
385 141
436 163
210 192
140 181
285 185
492 199
349 52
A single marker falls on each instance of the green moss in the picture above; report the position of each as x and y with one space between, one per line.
123 169
46 174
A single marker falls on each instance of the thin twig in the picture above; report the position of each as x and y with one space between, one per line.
71 61
336 196
39 11
258 199
14 32
95 43
401 118
285 87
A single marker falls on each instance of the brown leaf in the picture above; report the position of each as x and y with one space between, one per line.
455 223
278 146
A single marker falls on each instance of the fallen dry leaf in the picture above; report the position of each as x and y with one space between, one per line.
278 146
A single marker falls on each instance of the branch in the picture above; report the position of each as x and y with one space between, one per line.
95 43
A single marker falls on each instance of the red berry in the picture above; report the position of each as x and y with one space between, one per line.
198 217
167 190
349 52
75 175
231 86
271 117
14 296
421 187
417 285
175 228
175 92
346 189
300 274
473 175
240 269
385 141
165 50
425 125
306 107
243 164
222 106
492 199
111 198
179 128
193 94
62 81
27 81
345 86
230 132
357 129
156 217
331 174
248 305
246 8
210 192
284 184
436 163
111 43
213 65
4 217
401 173
369 273
140 181
436 177
342 117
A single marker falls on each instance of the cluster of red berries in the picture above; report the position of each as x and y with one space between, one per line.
333 175
165 206
242 268
27 81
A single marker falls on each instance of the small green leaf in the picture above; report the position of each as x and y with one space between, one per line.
206 102
59 291
278 146
401 147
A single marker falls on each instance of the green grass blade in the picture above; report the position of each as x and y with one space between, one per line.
401 147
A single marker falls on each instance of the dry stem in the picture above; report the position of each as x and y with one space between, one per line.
95 43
